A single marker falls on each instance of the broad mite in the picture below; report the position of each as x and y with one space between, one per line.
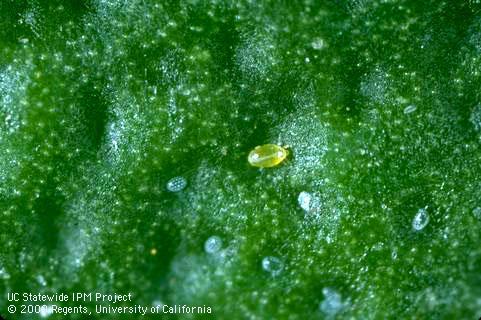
267 156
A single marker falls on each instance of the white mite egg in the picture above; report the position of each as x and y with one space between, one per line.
273 265
176 184
421 219
213 245
332 302
409 109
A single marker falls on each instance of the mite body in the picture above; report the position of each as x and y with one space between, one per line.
267 156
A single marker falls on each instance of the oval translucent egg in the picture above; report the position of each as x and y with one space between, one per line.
267 155
176 184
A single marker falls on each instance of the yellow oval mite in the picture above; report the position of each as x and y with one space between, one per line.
267 155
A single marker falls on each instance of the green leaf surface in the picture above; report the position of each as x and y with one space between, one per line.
375 214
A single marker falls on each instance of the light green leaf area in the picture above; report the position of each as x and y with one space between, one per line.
375 213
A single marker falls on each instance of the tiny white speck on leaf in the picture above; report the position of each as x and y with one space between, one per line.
157 303
394 254
410 109
45 311
477 212
176 184
41 280
318 44
475 117
4 274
